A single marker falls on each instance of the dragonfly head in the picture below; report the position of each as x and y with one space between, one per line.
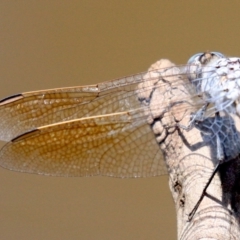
204 58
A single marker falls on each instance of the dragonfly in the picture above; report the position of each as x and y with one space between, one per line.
126 127
112 128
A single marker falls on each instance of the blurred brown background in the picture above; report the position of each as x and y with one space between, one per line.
46 44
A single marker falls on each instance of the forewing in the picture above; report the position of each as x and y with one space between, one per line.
111 145
30 110
26 111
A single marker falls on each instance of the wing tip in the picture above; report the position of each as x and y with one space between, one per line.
10 99
25 135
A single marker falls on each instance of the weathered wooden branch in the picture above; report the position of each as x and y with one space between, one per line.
191 157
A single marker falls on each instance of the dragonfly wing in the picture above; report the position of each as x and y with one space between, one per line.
30 110
26 111
111 145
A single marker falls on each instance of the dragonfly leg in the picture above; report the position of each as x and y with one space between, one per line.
192 213
195 117
220 157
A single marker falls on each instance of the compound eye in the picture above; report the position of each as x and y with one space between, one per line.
194 58
218 54
199 56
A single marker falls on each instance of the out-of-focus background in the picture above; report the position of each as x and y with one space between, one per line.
47 44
